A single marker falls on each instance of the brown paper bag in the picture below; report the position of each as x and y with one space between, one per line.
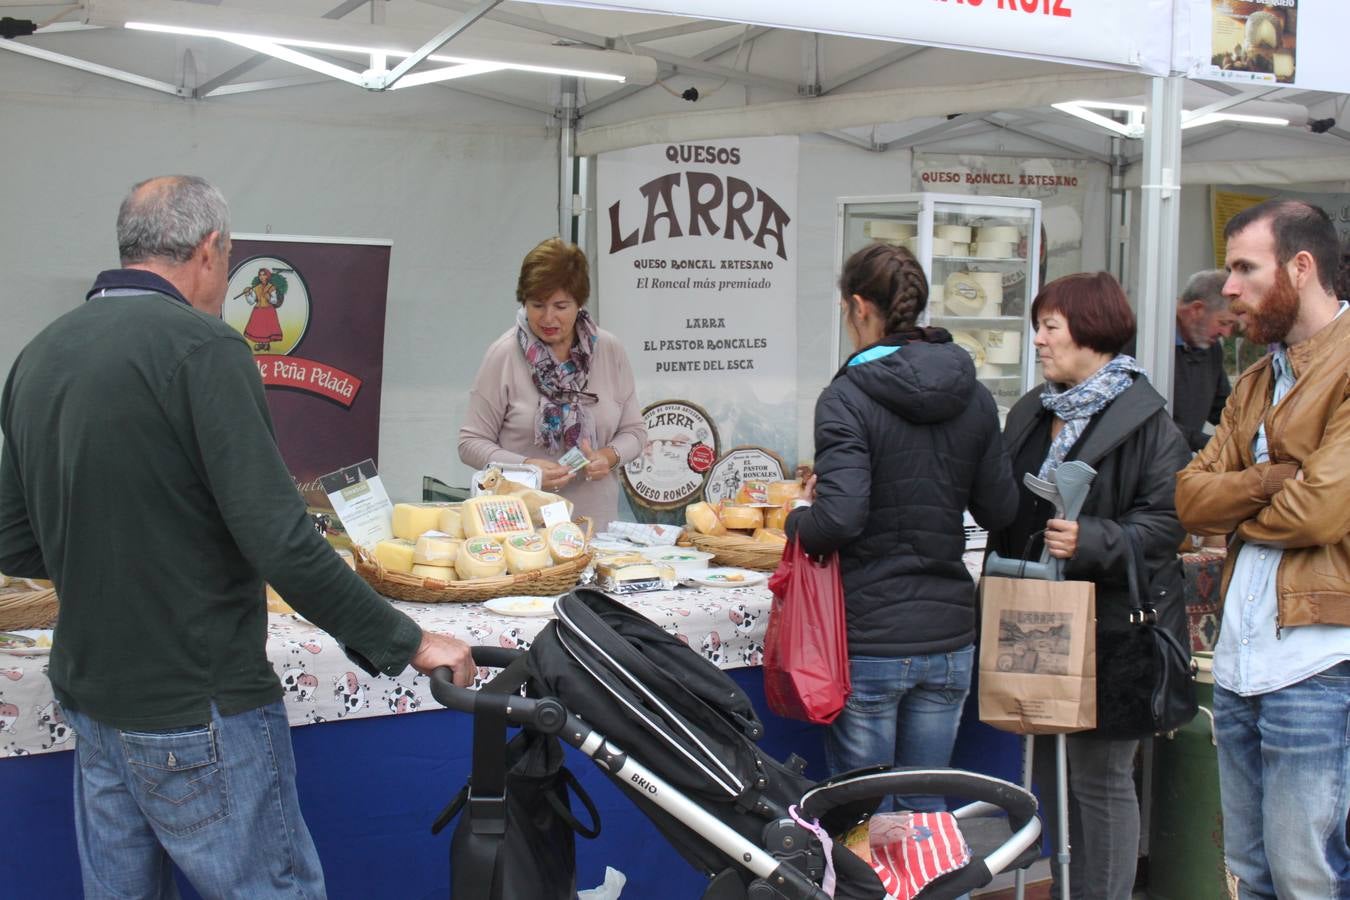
1038 655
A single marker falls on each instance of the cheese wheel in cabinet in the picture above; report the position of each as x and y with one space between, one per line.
525 553
565 541
480 557
411 520
435 548
992 249
1009 233
742 518
436 573
1003 348
963 295
450 522
971 344
495 515
882 230
396 554
957 234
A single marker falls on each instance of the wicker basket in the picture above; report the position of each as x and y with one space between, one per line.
737 550
27 609
553 580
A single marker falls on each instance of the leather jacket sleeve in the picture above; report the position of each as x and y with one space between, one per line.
1217 491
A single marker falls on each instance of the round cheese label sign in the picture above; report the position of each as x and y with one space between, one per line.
739 465
673 467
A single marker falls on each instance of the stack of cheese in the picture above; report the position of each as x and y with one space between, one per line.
483 537
760 512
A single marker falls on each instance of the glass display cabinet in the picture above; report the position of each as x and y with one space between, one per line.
982 258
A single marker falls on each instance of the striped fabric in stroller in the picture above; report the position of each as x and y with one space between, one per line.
677 735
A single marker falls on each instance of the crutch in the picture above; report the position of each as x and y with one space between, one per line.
1066 490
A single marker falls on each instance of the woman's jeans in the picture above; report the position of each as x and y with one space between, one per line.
1103 814
902 711
1284 776
218 800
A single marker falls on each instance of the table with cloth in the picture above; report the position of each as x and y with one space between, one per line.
372 777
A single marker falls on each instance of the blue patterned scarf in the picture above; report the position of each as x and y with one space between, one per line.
1078 404
562 419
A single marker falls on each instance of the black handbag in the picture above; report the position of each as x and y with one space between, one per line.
1145 675
517 835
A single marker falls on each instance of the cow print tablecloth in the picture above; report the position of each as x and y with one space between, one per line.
726 625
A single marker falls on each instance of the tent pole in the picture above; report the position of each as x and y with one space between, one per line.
1158 233
567 158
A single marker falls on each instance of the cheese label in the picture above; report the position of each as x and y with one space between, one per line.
484 549
492 514
529 542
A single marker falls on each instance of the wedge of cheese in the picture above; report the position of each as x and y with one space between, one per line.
396 555
450 523
435 548
412 520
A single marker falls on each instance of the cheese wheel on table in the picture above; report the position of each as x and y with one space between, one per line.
480 557
396 554
781 492
435 548
412 520
565 541
437 573
525 553
776 518
703 518
742 518
771 536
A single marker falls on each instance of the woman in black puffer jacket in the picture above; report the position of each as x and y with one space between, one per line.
906 440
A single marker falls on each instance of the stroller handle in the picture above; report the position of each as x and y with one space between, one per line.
545 715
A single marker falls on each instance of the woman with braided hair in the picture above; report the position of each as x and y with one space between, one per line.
906 439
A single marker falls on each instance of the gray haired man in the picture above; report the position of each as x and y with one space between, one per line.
1199 382
140 474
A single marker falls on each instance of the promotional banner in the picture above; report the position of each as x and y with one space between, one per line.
1226 202
312 311
1060 184
1113 32
697 258
1294 43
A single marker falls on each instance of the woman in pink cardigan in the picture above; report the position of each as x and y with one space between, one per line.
556 381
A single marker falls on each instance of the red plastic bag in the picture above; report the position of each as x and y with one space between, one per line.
806 647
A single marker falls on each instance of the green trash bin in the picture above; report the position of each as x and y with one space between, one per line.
1185 860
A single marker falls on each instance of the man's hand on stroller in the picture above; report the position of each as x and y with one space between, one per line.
442 650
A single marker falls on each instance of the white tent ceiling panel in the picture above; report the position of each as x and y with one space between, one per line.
857 109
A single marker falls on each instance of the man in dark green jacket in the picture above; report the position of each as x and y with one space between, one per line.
140 474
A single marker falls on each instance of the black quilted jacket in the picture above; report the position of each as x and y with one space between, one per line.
904 443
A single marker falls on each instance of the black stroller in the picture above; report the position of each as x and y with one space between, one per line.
678 737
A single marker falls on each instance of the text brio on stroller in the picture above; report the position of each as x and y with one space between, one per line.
678 737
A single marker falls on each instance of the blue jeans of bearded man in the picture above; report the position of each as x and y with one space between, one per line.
1284 777
902 711
217 800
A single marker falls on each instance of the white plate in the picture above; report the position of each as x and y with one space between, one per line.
727 577
521 606
40 635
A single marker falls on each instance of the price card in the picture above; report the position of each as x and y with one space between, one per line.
361 503
554 513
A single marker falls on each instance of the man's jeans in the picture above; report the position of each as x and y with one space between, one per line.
902 711
219 801
1284 775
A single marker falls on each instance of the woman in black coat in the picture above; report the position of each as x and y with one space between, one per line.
906 439
1097 406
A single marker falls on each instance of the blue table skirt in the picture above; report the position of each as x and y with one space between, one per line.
370 789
